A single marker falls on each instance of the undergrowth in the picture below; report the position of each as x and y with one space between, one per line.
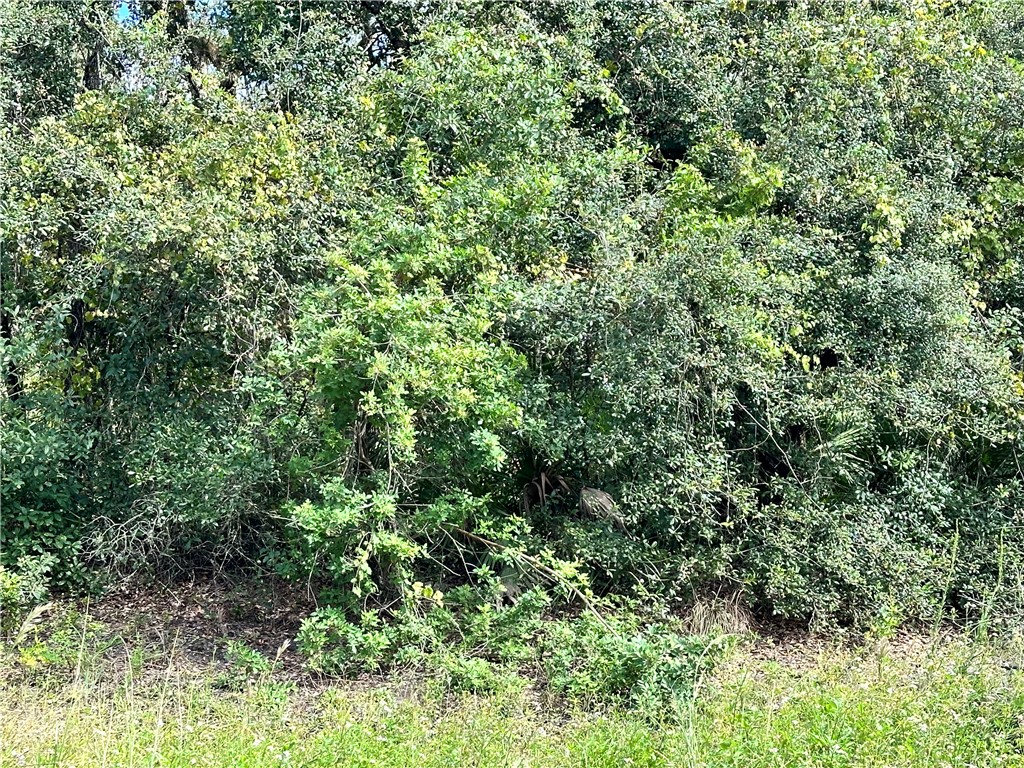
949 703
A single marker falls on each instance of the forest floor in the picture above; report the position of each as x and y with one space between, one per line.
155 677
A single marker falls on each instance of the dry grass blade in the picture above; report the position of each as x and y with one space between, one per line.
716 615
31 621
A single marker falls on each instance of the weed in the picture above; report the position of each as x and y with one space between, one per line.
246 665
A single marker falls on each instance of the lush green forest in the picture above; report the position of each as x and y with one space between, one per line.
467 314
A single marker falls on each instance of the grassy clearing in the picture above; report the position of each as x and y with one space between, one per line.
950 704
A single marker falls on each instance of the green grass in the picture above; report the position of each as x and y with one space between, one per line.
955 704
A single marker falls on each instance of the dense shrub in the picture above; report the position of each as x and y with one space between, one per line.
564 299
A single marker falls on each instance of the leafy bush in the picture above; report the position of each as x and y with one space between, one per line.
431 629
335 644
651 669
470 675
23 589
573 299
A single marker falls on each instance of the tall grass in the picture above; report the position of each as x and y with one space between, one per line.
954 703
